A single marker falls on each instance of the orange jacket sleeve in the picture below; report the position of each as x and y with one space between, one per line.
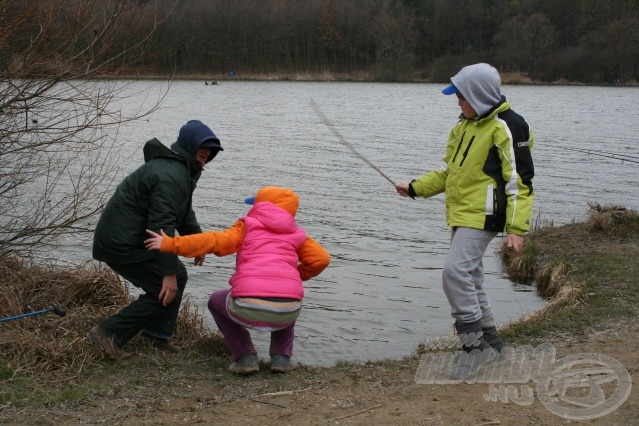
219 243
313 259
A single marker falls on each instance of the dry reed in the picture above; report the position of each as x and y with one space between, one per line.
550 275
54 345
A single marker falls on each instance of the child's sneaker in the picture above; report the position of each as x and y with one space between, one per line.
246 364
281 364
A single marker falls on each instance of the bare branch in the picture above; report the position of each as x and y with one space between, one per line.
58 117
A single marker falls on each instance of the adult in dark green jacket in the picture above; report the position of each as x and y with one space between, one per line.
156 196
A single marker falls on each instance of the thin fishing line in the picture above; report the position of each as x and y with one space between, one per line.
602 152
621 157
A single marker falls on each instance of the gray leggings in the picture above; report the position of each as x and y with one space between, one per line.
463 276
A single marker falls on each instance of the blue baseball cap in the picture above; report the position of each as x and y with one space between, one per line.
250 200
450 90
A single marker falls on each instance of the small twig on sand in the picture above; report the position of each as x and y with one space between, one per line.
266 402
359 412
291 392
491 422
198 361
65 379
118 405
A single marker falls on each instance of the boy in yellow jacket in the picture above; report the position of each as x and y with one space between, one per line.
486 175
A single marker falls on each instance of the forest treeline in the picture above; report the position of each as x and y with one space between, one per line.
589 41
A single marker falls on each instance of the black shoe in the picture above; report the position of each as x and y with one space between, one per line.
162 344
467 364
108 346
492 338
475 351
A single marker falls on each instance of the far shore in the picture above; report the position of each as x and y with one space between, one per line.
213 79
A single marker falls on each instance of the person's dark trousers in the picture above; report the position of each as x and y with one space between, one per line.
146 313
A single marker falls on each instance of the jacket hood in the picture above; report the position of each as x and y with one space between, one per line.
274 218
480 84
155 149
275 208
194 135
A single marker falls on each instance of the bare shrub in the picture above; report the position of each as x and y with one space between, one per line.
58 123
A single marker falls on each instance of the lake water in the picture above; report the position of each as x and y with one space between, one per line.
381 295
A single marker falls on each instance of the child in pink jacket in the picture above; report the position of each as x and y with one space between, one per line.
274 256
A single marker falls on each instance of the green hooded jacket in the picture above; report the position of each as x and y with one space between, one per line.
157 196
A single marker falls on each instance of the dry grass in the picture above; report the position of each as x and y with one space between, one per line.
57 346
515 78
549 273
610 218
587 272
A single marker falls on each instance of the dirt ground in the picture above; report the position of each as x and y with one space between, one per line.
167 389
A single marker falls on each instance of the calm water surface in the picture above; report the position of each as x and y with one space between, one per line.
382 294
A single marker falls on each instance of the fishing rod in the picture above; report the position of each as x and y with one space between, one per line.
607 154
57 309
343 141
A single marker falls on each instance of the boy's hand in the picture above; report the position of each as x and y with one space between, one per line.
514 242
402 189
154 243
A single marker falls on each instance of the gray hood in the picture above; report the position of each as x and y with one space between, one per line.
480 85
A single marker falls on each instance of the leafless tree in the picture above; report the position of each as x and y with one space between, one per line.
618 44
58 118
395 35
522 42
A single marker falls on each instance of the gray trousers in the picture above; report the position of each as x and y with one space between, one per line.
463 276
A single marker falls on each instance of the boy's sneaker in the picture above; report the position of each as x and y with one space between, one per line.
475 351
246 364
467 364
281 364
108 346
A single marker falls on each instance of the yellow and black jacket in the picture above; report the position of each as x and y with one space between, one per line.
486 173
